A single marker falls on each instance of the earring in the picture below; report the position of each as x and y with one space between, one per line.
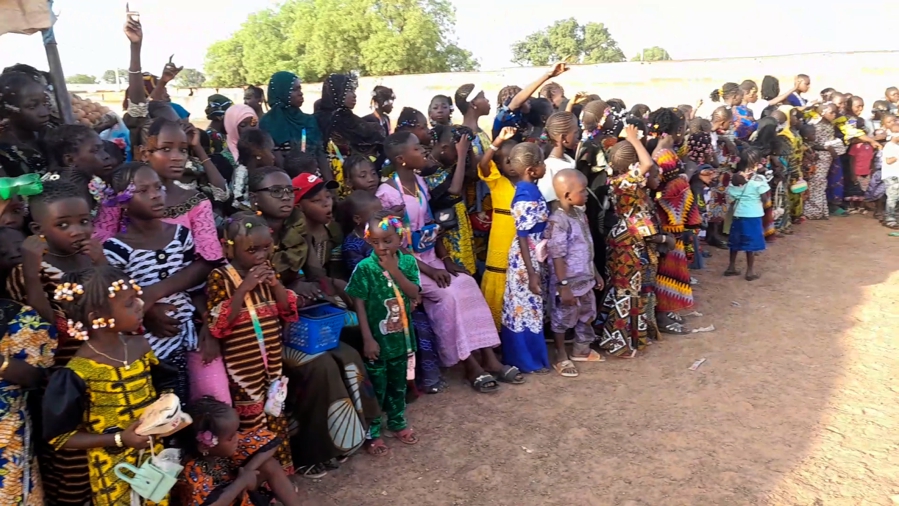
42 236
404 164
98 323
258 213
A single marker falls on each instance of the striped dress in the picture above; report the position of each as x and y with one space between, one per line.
149 267
242 350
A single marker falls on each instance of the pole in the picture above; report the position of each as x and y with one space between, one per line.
57 76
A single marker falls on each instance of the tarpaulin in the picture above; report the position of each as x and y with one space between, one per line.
24 16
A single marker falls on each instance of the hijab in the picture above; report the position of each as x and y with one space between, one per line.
233 116
284 122
788 128
335 118
216 105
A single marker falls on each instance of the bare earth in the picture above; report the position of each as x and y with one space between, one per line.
795 405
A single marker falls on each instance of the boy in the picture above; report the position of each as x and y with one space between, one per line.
892 96
573 276
890 173
802 84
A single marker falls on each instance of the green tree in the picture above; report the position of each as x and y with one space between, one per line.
316 37
109 77
190 78
566 40
654 53
81 79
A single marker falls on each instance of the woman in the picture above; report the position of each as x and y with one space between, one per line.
472 102
329 400
290 127
793 164
237 119
254 97
382 99
24 111
216 107
343 132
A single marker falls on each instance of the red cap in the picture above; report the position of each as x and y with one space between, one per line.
305 183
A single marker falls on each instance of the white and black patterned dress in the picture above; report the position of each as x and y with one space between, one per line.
149 267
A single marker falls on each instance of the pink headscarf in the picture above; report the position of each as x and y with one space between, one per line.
233 117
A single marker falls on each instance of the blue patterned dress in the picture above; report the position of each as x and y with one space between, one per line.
522 323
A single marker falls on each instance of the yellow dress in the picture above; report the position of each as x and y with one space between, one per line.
502 233
101 399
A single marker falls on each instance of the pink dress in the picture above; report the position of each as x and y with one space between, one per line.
458 313
194 214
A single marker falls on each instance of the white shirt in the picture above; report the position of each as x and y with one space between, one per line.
757 108
553 165
890 150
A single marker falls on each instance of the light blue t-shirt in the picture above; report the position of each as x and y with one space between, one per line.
747 199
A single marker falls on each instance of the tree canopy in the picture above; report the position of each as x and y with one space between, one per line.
654 53
190 78
568 41
109 77
81 79
313 38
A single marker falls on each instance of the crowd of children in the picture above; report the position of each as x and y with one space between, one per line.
184 264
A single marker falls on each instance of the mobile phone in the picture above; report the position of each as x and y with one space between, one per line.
132 15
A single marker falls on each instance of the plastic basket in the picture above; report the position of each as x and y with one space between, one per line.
317 330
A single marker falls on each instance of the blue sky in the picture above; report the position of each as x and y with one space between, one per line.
90 35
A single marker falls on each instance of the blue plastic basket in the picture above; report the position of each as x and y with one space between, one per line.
317 330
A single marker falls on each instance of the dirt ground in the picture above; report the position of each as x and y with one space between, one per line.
795 405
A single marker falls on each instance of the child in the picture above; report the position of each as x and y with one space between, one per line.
361 174
495 170
152 252
79 148
440 111
572 275
876 192
513 108
412 120
385 288
322 232
95 402
817 181
247 304
25 110
225 465
522 324
746 232
254 150
562 129
892 96
359 207
890 174
457 310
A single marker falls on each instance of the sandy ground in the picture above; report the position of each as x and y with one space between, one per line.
795 405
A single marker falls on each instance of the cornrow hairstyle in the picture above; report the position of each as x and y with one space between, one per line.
593 114
258 92
237 225
506 94
252 141
353 162
95 281
462 98
54 191
377 217
749 158
448 100
381 94
664 120
621 156
395 144
559 124
640 110
410 118
617 104
11 85
748 85
66 140
770 88
208 414
124 175
153 128
524 156
541 110
299 162
726 91
722 112
694 126
254 181
550 90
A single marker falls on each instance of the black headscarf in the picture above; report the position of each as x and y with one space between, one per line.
335 118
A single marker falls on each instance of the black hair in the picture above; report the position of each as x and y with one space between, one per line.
11 85
749 156
828 93
124 175
806 128
506 94
852 100
237 225
351 205
559 124
880 105
804 76
768 110
251 142
352 162
381 94
616 104
95 282
641 110
541 110
595 109
445 98
208 414
770 88
65 140
409 118
257 92
727 90
621 156
254 181
722 112
115 152
524 156
461 97
665 120
299 162
156 107
766 138
158 125
550 89
395 144
748 85
55 191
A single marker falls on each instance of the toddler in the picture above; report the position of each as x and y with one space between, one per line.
744 195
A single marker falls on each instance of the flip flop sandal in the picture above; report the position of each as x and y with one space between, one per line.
893 234
592 357
541 372
674 316
673 328
406 436
510 374
730 273
485 384
377 448
314 472
565 368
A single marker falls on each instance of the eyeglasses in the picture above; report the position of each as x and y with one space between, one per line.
278 192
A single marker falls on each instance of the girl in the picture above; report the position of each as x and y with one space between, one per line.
411 120
513 103
95 402
522 324
382 99
451 151
745 196
625 327
385 288
289 126
861 152
216 107
79 148
455 306
25 111
676 212
727 157
440 110
152 251
254 97
826 185
247 304
361 174
473 103
224 464
732 96
359 207
501 181
561 128
793 163
237 119
255 149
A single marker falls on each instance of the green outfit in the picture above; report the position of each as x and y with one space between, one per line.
390 326
286 123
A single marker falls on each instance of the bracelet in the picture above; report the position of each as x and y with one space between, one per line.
138 71
493 148
204 161
4 366
444 259
118 440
